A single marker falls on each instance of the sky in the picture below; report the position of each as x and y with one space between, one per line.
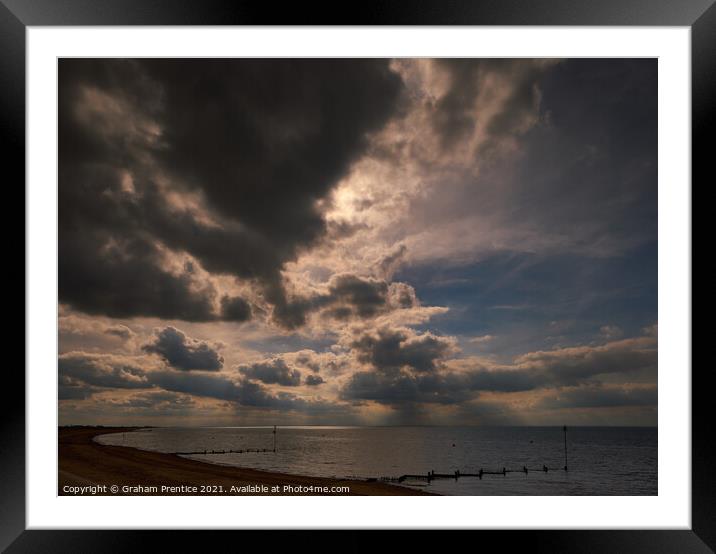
357 241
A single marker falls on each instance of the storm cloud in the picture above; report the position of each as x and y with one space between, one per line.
184 353
392 380
241 392
314 380
101 370
272 372
84 374
395 348
347 297
141 140
398 388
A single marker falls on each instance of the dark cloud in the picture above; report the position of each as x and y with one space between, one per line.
395 348
454 116
184 353
242 392
313 380
210 385
307 359
405 369
365 296
326 361
253 394
101 370
272 372
102 274
348 296
159 402
341 313
275 134
235 309
73 389
261 141
82 374
395 381
289 314
570 366
399 387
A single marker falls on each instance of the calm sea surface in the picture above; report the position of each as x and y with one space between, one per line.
602 460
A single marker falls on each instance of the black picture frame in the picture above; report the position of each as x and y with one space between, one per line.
16 15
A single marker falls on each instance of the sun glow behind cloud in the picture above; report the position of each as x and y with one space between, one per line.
257 241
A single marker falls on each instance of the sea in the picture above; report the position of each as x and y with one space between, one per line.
601 461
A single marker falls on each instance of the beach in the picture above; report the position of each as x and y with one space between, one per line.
85 465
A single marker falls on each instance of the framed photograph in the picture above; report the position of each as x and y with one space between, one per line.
429 268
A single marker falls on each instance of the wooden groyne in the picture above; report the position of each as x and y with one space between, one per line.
431 475
457 474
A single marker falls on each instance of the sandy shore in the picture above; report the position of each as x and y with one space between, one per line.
85 463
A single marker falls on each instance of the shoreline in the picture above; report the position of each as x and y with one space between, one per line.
83 462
